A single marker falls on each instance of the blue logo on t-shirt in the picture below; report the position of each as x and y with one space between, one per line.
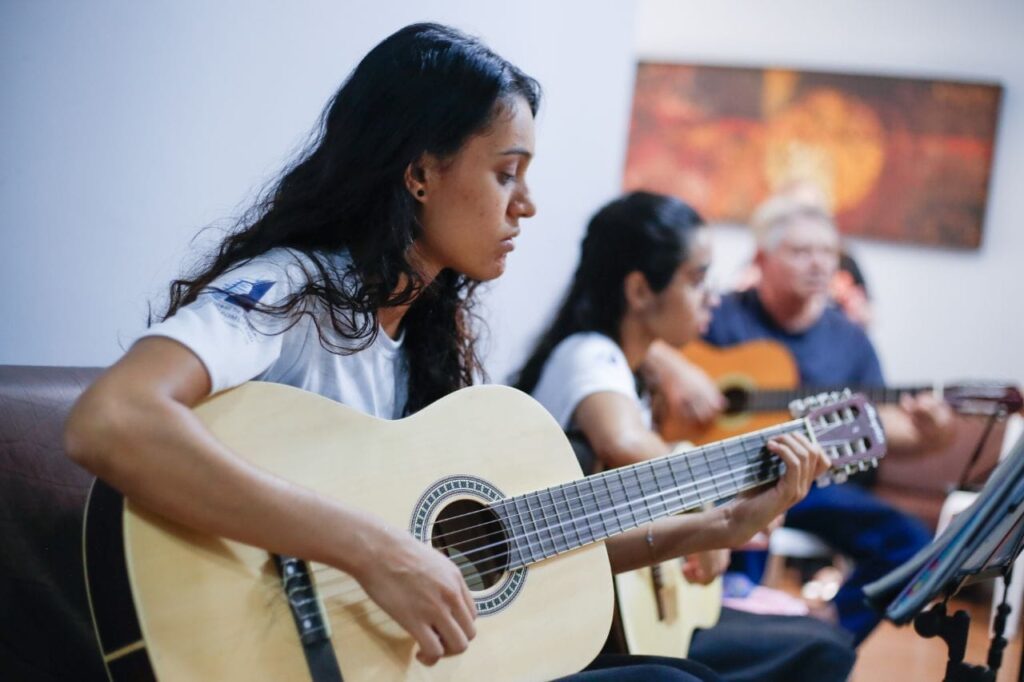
245 293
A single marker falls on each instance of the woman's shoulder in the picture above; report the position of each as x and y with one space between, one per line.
587 348
286 269
290 261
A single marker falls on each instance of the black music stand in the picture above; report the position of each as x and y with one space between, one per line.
981 543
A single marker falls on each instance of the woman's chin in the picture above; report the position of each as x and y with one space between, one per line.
492 270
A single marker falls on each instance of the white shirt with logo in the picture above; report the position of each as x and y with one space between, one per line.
237 342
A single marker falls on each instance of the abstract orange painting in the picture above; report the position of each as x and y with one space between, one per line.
900 159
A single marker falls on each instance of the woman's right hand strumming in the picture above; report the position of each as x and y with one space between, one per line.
421 589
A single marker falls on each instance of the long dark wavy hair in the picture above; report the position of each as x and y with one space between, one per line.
426 89
639 232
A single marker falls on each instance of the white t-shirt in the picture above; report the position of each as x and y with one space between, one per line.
581 365
232 340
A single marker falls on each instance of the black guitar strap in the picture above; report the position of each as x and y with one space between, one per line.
312 627
323 664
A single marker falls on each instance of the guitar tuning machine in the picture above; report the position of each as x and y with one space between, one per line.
802 406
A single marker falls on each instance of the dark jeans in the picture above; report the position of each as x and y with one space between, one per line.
751 647
875 535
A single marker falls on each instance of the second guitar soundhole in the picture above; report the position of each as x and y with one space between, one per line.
472 536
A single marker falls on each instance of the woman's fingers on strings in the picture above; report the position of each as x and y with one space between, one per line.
801 448
792 482
816 462
431 649
465 610
452 636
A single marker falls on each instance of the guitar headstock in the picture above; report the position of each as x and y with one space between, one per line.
983 398
847 427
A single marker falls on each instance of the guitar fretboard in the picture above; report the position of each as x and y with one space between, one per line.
778 400
549 522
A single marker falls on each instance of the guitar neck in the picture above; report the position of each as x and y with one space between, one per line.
778 400
555 520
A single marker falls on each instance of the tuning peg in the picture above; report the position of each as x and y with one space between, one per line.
863 466
824 481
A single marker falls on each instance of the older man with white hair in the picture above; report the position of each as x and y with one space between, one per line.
797 256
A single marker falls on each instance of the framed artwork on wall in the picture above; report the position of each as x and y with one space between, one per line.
900 159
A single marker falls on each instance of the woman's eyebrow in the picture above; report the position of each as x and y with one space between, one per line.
517 151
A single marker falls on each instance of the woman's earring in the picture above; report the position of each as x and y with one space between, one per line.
421 192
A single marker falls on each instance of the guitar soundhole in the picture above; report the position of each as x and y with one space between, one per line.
736 400
472 536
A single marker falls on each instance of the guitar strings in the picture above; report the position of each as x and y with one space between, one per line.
629 501
744 448
649 475
742 443
471 565
327 596
514 514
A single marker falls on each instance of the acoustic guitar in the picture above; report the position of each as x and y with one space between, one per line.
485 475
659 609
760 378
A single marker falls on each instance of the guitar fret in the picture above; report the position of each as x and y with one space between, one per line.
711 474
680 496
737 481
597 513
571 515
665 492
527 535
539 528
696 485
627 499
618 508
555 521
643 495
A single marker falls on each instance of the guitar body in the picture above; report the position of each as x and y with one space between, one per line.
659 609
744 368
208 608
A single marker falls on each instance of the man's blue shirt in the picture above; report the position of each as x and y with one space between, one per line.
831 352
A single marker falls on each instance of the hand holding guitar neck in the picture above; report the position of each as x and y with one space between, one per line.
680 388
804 461
702 568
932 418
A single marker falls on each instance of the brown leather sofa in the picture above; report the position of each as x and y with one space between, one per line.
45 628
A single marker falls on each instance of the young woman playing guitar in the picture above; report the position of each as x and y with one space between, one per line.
353 277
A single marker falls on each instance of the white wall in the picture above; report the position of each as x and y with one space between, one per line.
940 314
128 126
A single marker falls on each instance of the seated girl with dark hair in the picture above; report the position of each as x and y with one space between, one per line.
641 280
